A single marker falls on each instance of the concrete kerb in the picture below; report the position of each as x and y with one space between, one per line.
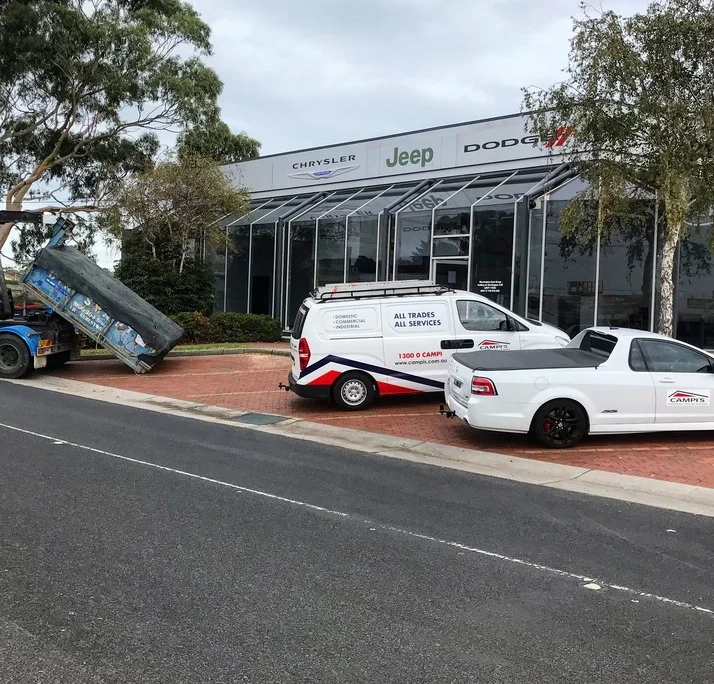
200 352
656 493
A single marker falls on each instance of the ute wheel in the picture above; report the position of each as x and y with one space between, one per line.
353 391
14 357
560 424
57 360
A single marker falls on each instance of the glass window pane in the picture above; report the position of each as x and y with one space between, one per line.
626 262
452 222
261 286
670 357
569 280
492 254
694 304
451 246
413 245
480 317
302 264
330 251
237 281
535 258
217 259
637 359
361 249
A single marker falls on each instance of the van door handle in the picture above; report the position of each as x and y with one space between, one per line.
464 344
666 381
448 344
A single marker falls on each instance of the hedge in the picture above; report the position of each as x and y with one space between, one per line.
228 327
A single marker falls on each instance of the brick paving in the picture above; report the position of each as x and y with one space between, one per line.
249 382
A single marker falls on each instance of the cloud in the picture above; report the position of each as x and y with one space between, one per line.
309 73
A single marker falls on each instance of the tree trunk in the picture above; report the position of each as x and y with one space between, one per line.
666 281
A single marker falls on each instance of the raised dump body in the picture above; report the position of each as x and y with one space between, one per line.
101 307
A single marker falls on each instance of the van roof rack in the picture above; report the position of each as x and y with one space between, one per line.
393 288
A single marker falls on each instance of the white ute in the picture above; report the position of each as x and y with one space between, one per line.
606 381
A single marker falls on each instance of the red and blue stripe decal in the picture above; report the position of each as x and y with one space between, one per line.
330 376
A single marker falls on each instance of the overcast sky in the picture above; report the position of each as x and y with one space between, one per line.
303 73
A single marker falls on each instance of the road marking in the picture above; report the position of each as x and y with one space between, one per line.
376 525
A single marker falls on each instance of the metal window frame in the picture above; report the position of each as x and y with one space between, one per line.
289 234
225 268
416 198
513 242
317 232
471 224
432 268
546 200
250 255
347 223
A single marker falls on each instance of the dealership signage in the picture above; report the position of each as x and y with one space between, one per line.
480 144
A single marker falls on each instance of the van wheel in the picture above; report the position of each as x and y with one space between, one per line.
560 424
14 357
353 391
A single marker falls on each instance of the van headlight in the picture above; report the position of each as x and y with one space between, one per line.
562 341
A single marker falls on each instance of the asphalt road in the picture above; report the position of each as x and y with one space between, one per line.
139 547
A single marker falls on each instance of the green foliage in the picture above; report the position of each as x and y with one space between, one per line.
229 327
83 87
216 142
163 286
30 240
196 326
175 205
639 96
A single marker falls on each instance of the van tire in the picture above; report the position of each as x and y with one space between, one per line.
14 357
353 391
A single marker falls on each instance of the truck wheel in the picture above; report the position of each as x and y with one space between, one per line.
560 424
14 357
353 391
57 360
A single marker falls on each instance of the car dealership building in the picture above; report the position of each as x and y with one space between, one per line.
474 206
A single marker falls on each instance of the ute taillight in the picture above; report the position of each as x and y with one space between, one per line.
303 353
483 387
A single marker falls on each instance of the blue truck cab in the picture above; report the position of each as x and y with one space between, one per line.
40 339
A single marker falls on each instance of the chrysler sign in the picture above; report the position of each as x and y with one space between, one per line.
317 169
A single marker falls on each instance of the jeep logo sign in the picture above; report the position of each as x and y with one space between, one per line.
421 157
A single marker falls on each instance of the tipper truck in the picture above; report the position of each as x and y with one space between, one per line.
82 300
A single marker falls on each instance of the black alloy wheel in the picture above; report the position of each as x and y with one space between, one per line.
560 424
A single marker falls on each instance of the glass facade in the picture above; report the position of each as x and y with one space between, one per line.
495 234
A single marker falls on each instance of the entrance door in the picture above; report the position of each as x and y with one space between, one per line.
453 273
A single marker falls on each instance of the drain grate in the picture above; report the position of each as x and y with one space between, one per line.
259 419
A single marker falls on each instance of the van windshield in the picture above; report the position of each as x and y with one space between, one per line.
299 323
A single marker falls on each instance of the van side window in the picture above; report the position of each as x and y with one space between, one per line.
480 317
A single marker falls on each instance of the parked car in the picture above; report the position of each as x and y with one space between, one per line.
352 342
605 381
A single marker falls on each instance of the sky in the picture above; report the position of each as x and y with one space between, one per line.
305 73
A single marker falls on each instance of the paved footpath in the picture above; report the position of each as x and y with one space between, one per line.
249 382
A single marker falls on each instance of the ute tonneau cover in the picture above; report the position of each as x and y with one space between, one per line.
529 359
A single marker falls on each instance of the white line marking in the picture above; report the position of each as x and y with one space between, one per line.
372 524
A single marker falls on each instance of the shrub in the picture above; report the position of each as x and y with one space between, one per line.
235 327
228 327
195 325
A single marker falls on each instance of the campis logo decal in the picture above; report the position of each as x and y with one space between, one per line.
684 397
493 344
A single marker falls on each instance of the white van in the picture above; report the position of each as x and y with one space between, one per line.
352 342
